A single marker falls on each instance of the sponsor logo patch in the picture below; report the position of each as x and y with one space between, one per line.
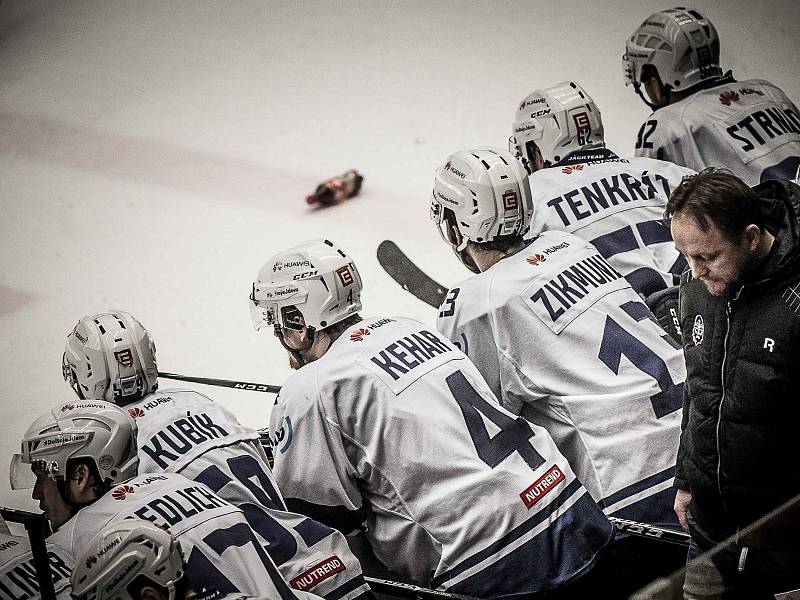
345 275
67 407
698 330
572 168
510 200
358 335
581 120
542 486
728 97
136 412
122 491
124 357
318 573
536 259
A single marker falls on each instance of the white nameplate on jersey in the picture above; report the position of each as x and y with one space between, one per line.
561 293
408 358
759 129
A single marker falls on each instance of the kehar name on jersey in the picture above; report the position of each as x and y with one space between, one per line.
574 283
182 435
422 346
606 192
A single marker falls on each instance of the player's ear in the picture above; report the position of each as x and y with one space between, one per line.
752 236
150 593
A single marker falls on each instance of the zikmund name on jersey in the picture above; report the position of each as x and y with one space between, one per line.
573 283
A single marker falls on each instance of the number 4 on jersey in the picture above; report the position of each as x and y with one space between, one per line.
514 433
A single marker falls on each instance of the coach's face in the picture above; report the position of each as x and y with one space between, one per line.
714 258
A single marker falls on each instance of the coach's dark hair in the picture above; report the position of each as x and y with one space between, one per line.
718 196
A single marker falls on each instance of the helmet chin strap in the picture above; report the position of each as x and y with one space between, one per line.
295 352
653 107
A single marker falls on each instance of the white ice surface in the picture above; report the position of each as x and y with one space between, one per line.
154 154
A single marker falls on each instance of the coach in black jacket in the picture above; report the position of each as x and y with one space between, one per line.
740 320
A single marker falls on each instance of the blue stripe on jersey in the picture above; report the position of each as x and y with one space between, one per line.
639 486
656 509
348 587
621 240
645 280
312 531
524 528
550 559
654 232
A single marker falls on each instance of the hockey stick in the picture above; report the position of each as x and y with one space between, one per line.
38 529
406 590
651 531
239 385
410 277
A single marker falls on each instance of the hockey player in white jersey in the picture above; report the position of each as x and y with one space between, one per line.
561 337
387 428
582 187
18 579
111 356
702 117
134 559
83 458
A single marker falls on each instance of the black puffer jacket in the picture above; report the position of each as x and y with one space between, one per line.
740 441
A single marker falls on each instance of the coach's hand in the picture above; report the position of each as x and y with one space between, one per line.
682 500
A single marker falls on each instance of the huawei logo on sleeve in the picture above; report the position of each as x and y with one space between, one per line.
572 168
121 492
728 97
136 412
358 335
536 259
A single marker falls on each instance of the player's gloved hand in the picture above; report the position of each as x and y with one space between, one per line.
664 305
682 500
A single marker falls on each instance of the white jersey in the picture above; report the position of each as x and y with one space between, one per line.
183 431
562 339
393 431
221 551
750 127
18 575
618 205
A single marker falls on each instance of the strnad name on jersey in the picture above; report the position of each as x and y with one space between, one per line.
604 193
559 300
761 126
182 435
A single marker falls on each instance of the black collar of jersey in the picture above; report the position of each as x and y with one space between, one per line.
584 156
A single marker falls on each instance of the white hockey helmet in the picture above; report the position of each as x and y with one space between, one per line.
679 43
110 356
486 193
99 431
121 552
557 120
316 278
